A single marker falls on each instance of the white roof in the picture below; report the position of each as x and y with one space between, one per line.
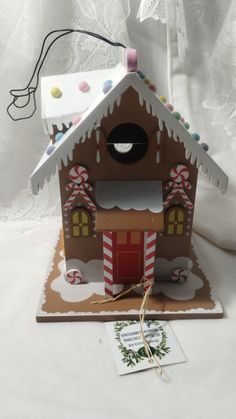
96 106
73 101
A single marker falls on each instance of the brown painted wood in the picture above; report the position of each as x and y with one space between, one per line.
118 220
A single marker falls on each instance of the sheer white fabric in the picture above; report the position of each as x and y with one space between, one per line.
170 12
201 39
23 25
192 60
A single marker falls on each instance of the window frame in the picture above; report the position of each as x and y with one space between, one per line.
128 133
175 221
79 225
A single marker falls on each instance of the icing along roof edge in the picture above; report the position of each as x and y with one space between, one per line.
104 105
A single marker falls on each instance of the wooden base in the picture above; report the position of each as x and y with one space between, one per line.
61 301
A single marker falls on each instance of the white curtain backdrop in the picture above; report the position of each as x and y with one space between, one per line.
65 371
185 47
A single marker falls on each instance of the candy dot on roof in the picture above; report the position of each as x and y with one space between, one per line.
186 125
58 136
50 149
170 107
205 146
106 88
176 115
76 119
152 87
84 86
182 119
107 82
56 92
146 81
163 99
141 75
195 136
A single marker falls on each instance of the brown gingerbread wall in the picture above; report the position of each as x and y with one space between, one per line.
171 152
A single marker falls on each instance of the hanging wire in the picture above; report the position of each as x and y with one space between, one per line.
29 91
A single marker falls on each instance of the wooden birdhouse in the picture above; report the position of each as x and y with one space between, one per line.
128 169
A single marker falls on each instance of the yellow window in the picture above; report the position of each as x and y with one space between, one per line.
175 221
81 223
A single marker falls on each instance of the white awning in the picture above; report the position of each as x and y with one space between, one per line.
138 195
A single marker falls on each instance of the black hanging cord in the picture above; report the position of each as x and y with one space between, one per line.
31 90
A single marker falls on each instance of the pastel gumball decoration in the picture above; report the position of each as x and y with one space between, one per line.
58 136
50 149
141 75
182 120
170 107
56 92
107 85
163 99
179 275
108 81
177 115
186 125
205 146
76 119
84 86
152 87
146 81
74 277
106 89
195 136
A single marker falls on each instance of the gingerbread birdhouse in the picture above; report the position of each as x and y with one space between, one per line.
128 169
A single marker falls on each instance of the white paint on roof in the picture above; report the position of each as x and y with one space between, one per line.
73 101
100 106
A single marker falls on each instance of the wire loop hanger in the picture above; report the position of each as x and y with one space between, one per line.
30 89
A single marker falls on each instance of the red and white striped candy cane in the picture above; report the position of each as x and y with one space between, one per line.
179 175
108 263
79 175
74 277
149 257
178 188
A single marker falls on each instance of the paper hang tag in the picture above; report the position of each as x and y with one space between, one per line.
128 347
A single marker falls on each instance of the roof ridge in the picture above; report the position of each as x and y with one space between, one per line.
105 104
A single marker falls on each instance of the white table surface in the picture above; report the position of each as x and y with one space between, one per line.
66 370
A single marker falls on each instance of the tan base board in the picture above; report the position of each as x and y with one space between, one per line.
64 302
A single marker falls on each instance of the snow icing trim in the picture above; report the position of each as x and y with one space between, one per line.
104 105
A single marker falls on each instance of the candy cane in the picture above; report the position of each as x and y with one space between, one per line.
178 188
79 175
179 175
74 277
179 275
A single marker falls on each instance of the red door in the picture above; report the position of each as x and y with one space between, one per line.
128 256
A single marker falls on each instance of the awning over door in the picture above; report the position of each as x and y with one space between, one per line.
129 206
